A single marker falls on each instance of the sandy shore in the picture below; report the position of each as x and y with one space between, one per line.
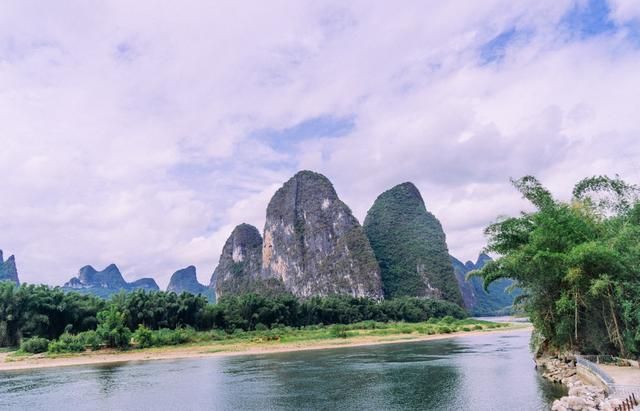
8 362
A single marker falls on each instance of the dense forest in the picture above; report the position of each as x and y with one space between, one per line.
578 263
41 317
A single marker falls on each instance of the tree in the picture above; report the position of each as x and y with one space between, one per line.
578 263
112 328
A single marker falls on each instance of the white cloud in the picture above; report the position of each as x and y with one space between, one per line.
127 129
625 10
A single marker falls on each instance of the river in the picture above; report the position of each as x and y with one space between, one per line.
484 372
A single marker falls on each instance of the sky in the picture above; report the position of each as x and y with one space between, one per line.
140 133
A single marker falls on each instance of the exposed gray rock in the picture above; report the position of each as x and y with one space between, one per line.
314 244
8 269
240 265
186 280
106 282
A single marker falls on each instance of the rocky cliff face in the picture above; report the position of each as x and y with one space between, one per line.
497 301
314 245
8 269
240 265
186 280
106 282
410 246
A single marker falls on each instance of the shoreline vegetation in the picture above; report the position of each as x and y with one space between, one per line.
577 264
280 340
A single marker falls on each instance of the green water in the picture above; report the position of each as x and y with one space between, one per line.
487 372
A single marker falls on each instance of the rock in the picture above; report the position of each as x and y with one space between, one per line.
186 280
580 396
106 282
314 244
558 406
410 246
496 301
239 268
144 284
8 269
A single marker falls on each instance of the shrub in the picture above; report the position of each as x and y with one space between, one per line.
448 319
66 343
477 327
261 327
178 336
339 331
35 345
143 337
91 339
444 330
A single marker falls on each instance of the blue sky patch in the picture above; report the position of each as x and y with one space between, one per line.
317 127
589 19
495 49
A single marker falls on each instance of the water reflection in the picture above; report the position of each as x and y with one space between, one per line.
489 372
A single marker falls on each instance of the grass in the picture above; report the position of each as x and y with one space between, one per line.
337 334
319 333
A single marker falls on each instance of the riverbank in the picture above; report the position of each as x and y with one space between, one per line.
9 361
582 394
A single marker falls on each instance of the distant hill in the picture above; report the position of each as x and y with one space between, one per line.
186 281
410 246
106 282
477 301
8 270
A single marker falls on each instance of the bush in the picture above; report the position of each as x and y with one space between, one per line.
178 336
66 343
261 327
34 345
91 339
339 331
477 327
143 337
448 319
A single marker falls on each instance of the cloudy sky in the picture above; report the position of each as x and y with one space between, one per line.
142 132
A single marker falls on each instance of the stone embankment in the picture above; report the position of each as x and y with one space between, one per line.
581 396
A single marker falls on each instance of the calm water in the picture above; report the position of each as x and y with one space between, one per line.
489 372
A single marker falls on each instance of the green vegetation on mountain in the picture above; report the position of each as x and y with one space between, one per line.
495 301
410 246
578 264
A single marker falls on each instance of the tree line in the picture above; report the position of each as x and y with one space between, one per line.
44 313
578 263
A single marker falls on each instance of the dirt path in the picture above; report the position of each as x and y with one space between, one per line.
622 375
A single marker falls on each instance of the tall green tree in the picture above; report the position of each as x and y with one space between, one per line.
578 263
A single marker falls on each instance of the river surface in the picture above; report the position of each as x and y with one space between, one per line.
484 372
